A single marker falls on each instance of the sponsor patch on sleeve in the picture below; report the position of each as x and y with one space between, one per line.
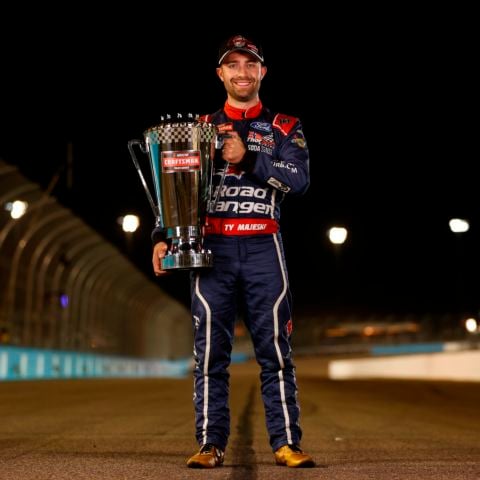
278 185
284 123
299 140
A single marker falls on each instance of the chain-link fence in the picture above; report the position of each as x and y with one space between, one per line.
64 287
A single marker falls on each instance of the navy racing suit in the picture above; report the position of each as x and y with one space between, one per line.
243 235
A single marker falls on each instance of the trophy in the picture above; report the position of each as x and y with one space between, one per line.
180 153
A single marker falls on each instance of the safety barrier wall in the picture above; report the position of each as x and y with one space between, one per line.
18 363
453 361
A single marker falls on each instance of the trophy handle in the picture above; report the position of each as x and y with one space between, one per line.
143 149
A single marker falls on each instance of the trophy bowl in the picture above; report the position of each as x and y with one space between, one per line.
180 152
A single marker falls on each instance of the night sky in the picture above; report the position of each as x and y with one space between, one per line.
387 108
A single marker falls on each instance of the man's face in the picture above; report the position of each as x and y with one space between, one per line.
242 75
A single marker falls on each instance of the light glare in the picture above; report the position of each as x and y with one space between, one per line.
471 325
130 223
337 235
16 208
459 225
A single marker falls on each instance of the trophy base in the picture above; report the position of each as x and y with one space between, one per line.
186 260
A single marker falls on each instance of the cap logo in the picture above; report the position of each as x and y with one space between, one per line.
239 42
242 42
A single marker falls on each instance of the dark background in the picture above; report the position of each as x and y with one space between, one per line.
388 104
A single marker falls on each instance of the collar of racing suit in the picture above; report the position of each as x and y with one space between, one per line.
241 114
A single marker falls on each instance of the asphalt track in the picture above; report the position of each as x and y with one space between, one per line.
143 429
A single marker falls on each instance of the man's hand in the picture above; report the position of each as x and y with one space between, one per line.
233 148
159 251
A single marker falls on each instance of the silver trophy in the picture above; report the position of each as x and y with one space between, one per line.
181 154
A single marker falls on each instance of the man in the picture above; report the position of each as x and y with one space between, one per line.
266 158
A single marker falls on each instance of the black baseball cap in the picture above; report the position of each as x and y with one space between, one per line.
239 43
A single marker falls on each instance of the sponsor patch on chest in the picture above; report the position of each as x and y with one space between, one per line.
260 142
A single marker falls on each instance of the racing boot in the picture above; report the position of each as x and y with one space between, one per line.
293 456
209 456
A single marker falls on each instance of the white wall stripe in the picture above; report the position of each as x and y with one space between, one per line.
40 366
3 365
55 365
23 365
79 366
68 366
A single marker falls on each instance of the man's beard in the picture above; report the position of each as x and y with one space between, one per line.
245 96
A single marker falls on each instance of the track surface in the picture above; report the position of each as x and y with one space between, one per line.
143 429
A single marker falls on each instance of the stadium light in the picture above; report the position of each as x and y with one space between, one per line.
459 225
130 223
337 235
17 208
